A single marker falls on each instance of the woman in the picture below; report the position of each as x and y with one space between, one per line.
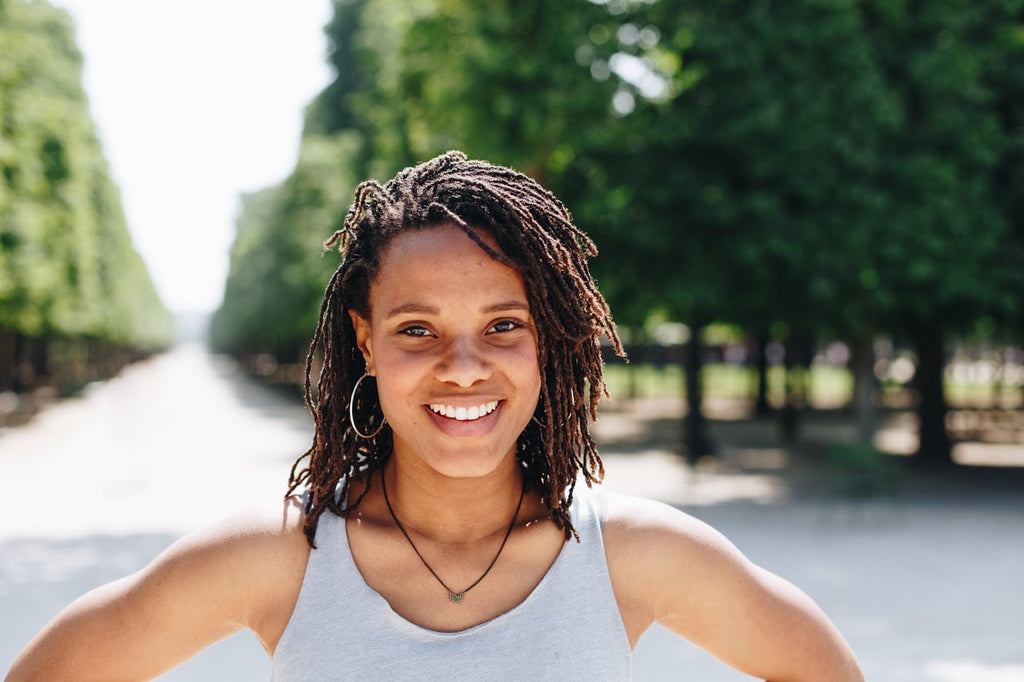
435 528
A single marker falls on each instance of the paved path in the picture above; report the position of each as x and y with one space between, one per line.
927 588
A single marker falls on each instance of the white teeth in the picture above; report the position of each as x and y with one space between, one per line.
463 414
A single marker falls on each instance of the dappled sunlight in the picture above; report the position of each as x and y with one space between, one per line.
773 459
665 476
898 436
989 454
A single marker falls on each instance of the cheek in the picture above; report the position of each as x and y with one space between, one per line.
393 371
529 370
393 397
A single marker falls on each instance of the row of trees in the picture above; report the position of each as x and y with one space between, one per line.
805 170
75 296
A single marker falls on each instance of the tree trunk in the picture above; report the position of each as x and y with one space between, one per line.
935 449
637 359
695 436
39 359
762 408
999 381
22 369
797 362
7 360
863 361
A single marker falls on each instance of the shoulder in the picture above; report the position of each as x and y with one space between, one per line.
270 538
254 562
653 547
642 520
670 568
244 572
269 533
641 529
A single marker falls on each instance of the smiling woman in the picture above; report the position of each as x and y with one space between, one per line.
435 523
434 272
452 341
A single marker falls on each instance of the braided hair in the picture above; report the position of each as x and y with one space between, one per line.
535 236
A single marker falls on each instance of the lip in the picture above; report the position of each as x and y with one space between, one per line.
467 428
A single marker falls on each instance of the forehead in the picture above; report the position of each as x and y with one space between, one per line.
441 263
435 240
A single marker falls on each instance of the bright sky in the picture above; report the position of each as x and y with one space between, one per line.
196 101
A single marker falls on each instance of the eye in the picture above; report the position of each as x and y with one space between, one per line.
504 326
414 330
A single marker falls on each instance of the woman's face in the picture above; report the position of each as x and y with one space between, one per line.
454 348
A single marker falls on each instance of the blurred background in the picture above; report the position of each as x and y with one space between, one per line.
810 218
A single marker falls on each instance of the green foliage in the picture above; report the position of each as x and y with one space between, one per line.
499 81
67 265
941 250
753 183
1003 78
332 110
830 167
278 269
502 81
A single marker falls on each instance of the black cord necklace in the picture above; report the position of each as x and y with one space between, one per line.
453 596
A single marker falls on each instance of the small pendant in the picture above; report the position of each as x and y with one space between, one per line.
456 597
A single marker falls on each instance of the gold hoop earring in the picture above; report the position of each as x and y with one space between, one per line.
352 415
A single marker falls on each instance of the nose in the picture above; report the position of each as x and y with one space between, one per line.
463 363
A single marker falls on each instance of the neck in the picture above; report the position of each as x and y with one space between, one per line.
453 510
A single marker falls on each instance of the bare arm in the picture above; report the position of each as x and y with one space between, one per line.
671 569
203 588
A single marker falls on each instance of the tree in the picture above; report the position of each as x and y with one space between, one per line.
68 269
278 268
750 173
817 168
1003 76
941 255
333 110
500 81
413 80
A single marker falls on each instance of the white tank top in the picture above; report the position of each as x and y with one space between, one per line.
568 628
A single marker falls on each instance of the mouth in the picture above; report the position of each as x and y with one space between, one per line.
464 414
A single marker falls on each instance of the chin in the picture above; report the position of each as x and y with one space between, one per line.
469 466
466 462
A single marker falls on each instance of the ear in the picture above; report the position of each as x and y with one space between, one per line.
362 329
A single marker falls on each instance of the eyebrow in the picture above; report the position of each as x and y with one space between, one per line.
423 309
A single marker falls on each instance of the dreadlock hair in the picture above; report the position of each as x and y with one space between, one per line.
536 236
